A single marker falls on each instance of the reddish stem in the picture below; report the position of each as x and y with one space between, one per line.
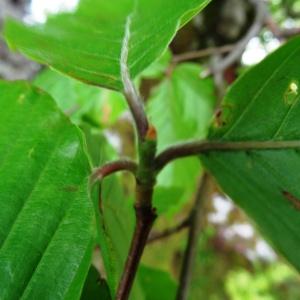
145 217
113 167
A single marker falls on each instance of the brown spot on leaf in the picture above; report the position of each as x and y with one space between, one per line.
218 118
223 115
292 199
70 188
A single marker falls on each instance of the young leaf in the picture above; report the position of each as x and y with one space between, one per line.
167 198
157 284
99 107
264 106
158 68
46 215
175 109
102 40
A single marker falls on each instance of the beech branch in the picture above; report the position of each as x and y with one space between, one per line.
156 236
281 33
237 51
113 167
202 53
199 147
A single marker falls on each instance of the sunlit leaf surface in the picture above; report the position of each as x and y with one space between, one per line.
102 40
46 215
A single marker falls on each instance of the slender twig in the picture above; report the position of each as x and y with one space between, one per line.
194 230
113 167
287 33
156 236
198 147
202 53
281 33
145 217
133 99
219 81
235 54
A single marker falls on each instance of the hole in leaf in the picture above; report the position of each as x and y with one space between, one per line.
291 93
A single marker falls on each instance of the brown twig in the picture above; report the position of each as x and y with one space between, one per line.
156 236
202 53
235 54
145 217
280 33
113 167
194 231
198 147
288 33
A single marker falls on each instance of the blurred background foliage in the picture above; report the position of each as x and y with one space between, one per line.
233 261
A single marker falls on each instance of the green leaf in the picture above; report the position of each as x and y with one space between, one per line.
165 198
97 146
263 283
157 284
264 106
46 215
95 287
175 109
99 38
159 67
99 107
